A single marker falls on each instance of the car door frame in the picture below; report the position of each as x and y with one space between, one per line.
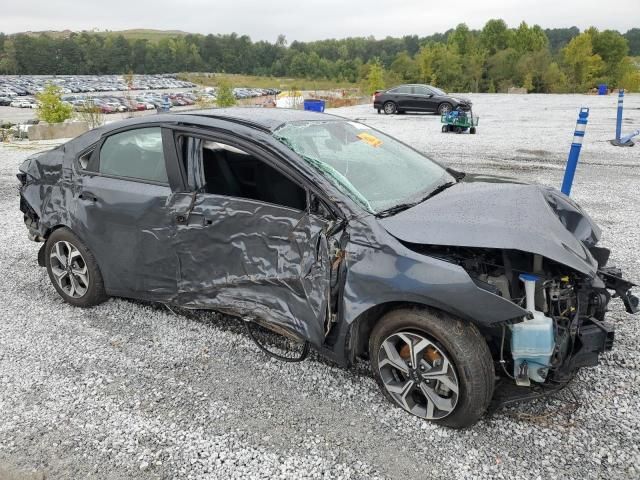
273 158
159 294
277 161
168 147
421 102
402 100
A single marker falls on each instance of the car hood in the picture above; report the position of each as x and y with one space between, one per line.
489 212
461 99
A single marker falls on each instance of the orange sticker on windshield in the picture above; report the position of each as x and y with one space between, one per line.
370 139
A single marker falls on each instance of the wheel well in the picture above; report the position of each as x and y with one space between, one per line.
367 320
364 323
46 236
49 231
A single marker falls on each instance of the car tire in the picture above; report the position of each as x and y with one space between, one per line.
390 108
455 347
444 108
73 269
472 130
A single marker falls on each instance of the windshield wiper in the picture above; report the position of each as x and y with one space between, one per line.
395 209
458 175
405 206
437 190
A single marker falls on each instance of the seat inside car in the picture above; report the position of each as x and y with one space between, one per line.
237 174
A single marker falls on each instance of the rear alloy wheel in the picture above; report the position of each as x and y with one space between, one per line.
73 270
433 365
69 269
444 108
390 108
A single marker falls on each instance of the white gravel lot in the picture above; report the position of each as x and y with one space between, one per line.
129 390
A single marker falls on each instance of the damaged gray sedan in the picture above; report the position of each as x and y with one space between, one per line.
335 235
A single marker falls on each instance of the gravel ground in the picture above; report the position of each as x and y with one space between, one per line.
129 390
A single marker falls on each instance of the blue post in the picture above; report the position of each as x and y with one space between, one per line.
574 153
619 117
626 140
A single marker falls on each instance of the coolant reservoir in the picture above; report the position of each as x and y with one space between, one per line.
532 341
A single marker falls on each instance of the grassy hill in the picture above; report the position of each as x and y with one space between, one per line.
133 34
146 33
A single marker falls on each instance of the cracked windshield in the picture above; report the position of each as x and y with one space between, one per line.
373 169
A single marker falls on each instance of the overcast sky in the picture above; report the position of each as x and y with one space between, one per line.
311 19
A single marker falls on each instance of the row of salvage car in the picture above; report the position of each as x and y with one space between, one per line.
22 85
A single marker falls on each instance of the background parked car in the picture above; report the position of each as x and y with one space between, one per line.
417 98
24 103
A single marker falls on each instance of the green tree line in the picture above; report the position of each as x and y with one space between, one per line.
488 60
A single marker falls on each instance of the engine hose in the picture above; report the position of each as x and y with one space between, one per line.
502 361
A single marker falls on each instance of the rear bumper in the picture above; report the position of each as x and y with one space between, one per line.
31 220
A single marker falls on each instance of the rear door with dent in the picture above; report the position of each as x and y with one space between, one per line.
246 241
119 203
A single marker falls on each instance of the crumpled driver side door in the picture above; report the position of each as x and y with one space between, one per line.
255 260
250 257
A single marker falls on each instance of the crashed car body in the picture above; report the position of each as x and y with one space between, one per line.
330 232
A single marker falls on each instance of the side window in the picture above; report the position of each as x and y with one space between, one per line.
420 90
84 161
136 154
222 169
405 89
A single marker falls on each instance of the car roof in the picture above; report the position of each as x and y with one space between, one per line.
264 118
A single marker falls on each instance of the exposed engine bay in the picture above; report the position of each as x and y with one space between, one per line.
565 328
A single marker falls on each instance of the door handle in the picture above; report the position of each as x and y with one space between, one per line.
87 196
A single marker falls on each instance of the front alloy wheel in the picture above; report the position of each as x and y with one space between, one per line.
69 269
433 365
444 108
418 375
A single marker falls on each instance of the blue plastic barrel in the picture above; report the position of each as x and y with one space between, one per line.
314 105
603 89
